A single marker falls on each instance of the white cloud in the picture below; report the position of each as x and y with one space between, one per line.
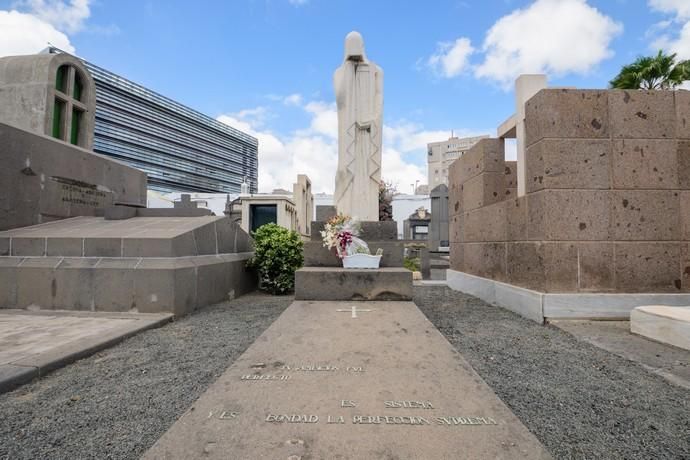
22 33
680 8
674 39
451 58
314 150
41 22
550 36
66 16
293 99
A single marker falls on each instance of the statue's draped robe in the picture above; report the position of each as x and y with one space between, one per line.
359 96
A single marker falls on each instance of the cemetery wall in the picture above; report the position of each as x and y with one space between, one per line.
607 203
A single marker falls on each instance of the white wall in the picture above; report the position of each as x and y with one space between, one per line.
404 205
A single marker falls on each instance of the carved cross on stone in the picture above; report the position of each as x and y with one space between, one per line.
353 310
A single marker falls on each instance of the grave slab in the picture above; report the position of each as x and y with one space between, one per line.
349 381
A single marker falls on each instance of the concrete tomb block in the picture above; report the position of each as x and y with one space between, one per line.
684 165
645 215
568 164
36 282
684 198
642 114
482 190
487 260
205 238
457 229
103 247
560 267
371 230
4 246
596 266
510 179
148 247
28 246
567 113
525 263
486 156
685 266
154 289
457 256
332 283
66 247
516 219
648 267
323 213
74 285
486 224
455 189
577 215
115 283
682 103
646 164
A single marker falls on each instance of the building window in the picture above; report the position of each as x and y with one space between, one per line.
68 109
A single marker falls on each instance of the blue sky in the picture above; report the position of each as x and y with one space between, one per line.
266 66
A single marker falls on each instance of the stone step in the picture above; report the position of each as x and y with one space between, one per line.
371 231
316 255
663 324
337 283
326 382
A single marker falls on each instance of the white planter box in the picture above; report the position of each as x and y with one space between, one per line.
361 261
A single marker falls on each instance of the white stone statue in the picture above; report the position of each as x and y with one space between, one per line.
359 96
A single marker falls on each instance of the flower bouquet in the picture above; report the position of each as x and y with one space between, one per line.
342 234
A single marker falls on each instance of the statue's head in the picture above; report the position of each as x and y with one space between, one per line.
354 47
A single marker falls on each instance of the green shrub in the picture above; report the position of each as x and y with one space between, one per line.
413 264
278 253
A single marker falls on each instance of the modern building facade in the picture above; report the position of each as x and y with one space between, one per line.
442 154
179 148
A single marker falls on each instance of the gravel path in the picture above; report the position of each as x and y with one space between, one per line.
580 401
117 403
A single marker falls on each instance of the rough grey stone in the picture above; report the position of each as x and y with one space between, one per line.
330 283
371 231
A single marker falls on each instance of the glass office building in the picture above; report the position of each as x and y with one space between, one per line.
180 149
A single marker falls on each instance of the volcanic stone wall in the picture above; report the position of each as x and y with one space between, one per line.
607 204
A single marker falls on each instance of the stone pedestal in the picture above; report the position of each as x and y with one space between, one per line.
324 278
337 283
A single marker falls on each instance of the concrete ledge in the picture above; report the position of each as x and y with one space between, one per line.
331 283
663 324
522 301
176 285
538 306
25 369
13 376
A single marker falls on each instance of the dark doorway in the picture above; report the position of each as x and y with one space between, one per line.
261 214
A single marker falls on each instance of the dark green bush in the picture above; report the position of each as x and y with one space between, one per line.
413 264
278 253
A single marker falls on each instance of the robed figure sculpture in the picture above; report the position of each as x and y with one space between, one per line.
359 96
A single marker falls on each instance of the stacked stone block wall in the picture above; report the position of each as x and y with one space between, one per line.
607 207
